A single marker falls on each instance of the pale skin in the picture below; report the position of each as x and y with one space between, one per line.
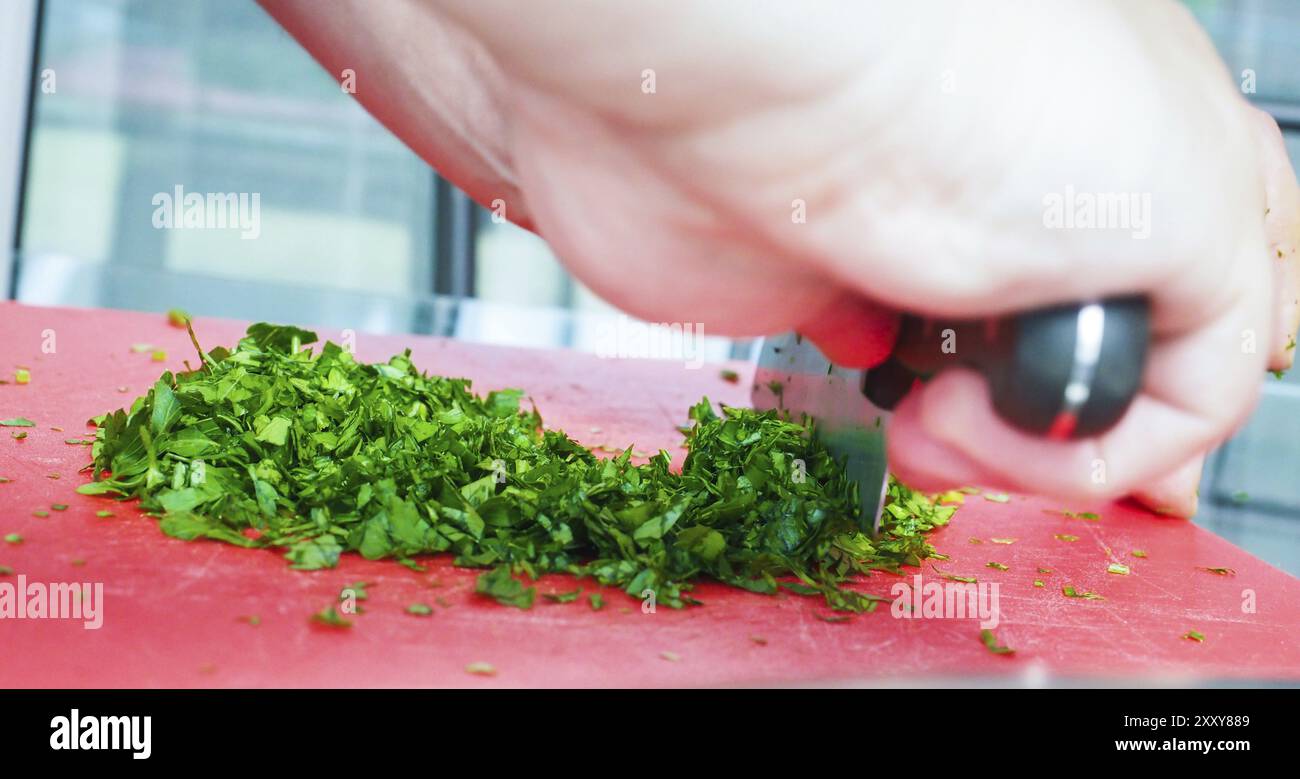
921 139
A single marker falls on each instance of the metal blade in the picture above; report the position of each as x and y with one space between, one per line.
794 375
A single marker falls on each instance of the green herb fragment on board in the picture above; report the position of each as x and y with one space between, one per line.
991 643
1066 537
22 376
17 422
563 597
330 617
420 610
998 566
1070 592
1193 635
13 538
597 601
1138 553
1118 568
1220 571
997 497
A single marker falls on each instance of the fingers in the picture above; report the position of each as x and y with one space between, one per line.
1282 231
853 332
1196 389
1177 493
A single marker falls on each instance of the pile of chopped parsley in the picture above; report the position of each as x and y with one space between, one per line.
270 445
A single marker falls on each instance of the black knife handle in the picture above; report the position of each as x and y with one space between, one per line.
1067 371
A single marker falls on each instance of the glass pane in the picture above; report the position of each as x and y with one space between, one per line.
140 101
1262 36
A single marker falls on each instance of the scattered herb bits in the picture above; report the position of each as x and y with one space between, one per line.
1193 635
997 566
22 376
991 643
1119 569
330 617
1220 571
1070 591
13 538
420 610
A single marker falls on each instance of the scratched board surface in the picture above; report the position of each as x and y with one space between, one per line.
177 614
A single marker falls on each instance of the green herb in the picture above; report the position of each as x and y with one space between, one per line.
1138 553
507 590
420 610
40 513
1066 537
997 497
1088 516
1118 568
956 578
141 348
481 669
1003 540
103 513
22 376
1070 592
17 422
834 618
18 436
178 318
597 601
991 643
13 538
330 617
1220 571
1044 570
1039 583
1193 635
158 355
563 597
59 506
998 566
729 376
271 446
6 570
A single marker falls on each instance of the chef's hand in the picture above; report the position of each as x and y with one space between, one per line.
770 166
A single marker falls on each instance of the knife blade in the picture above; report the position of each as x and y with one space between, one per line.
1066 371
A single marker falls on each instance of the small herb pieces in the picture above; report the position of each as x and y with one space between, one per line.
998 566
1070 592
997 497
991 643
1193 635
17 422
13 538
330 617
1065 537
563 597
22 376
507 590
1220 571
1118 569
420 610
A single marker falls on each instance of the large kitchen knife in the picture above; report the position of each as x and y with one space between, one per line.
1062 372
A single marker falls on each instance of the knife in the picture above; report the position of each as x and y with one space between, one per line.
1061 372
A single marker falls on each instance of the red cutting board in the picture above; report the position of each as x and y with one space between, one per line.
173 611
